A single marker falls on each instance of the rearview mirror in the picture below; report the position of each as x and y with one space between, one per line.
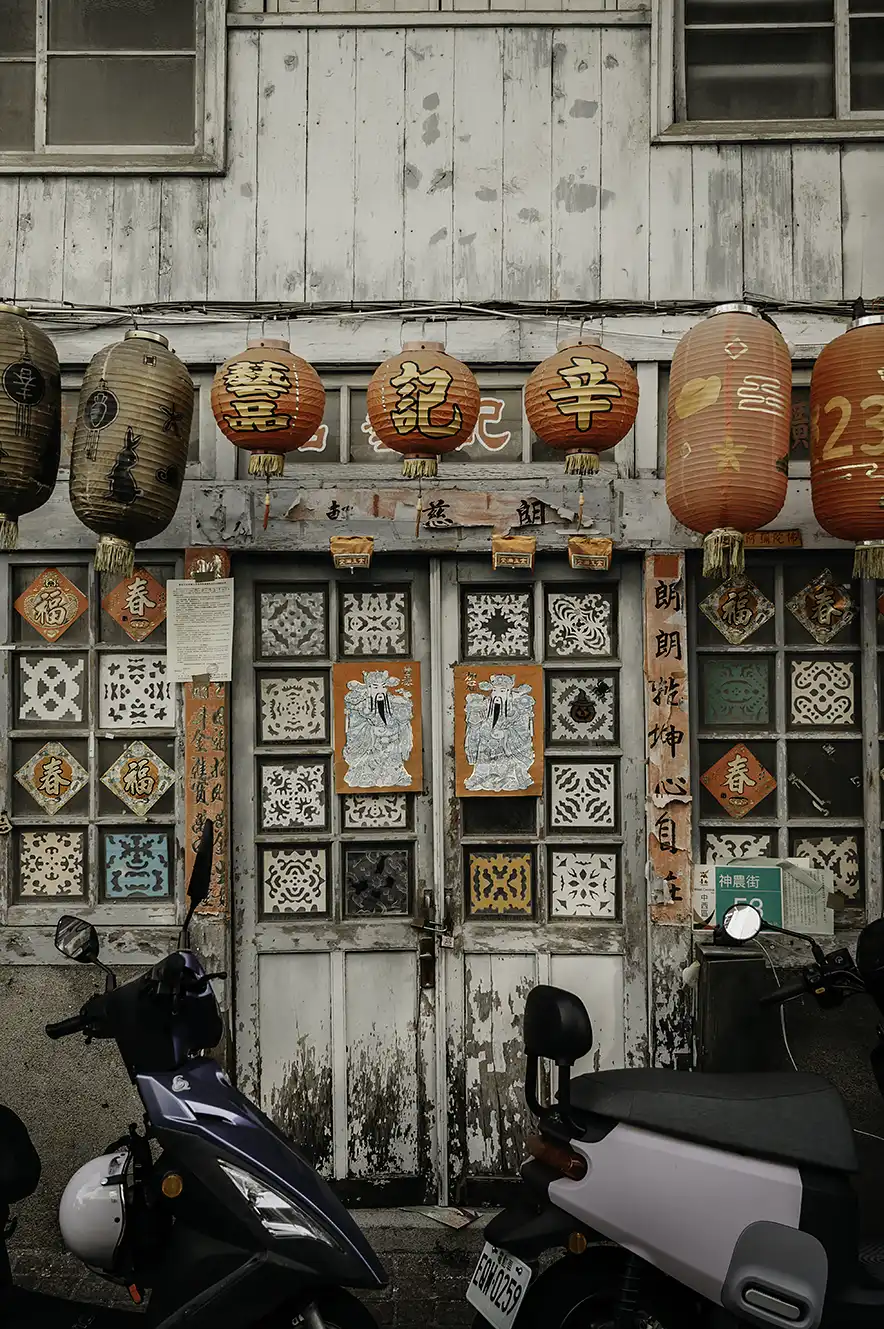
76 939
742 922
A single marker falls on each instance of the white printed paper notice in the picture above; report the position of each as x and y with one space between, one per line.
199 630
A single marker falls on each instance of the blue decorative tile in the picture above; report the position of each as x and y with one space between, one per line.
136 863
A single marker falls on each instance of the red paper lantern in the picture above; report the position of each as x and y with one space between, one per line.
727 441
847 441
582 400
421 403
268 401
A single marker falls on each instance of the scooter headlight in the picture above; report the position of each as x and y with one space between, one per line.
281 1217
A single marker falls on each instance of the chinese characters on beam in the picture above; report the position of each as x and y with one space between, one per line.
669 776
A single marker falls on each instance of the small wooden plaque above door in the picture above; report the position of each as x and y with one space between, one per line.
498 730
377 712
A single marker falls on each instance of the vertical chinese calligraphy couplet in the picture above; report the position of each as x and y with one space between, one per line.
30 420
269 402
421 403
582 400
667 742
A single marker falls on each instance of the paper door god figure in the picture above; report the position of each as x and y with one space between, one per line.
378 727
499 739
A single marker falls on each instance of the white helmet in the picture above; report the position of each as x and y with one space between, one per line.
92 1212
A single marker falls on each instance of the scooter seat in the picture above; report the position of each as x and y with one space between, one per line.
19 1160
798 1119
23 1309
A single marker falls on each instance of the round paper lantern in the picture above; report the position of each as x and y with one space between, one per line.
130 445
421 403
269 402
847 441
30 419
582 400
727 441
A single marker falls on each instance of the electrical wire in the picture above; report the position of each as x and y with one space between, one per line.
775 972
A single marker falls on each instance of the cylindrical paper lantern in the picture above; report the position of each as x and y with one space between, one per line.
130 445
847 441
582 400
421 403
727 442
268 401
30 419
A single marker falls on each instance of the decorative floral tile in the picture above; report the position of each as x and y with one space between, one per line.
579 623
377 880
134 692
139 778
500 881
583 883
137 604
582 708
294 796
52 689
51 863
51 604
730 846
52 777
582 793
823 693
839 853
738 781
375 623
137 865
370 812
735 692
293 623
294 708
295 879
823 607
498 625
737 608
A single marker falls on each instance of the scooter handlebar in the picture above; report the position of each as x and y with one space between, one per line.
786 992
75 1024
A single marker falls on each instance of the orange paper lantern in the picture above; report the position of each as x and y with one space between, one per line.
727 441
269 402
583 400
847 441
421 403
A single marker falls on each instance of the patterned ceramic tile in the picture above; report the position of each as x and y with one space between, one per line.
823 607
136 865
729 846
294 795
295 879
51 604
51 863
579 623
583 883
52 777
293 623
738 781
582 708
294 708
369 812
139 778
498 625
52 689
737 608
134 693
377 879
137 604
500 881
735 692
375 623
582 794
823 693
838 852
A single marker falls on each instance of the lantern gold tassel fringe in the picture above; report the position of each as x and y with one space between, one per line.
868 560
267 463
419 468
8 532
723 553
581 463
114 554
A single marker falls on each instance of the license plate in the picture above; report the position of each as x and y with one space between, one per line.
498 1285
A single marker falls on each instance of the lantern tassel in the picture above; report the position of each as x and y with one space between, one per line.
419 468
419 512
8 531
581 463
724 554
868 560
267 463
266 507
114 554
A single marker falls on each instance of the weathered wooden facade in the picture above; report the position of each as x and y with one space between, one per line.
497 179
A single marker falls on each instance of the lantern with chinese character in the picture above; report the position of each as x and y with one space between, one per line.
582 400
269 402
847 441
727 442
30 419
421 403
130 445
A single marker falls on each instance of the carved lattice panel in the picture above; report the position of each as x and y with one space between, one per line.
582 708
134 693
579 624
294 795
377 879
293 708
583 882
52 689
375 622
295 879
137 865
294 623
497 625
582 794
51 863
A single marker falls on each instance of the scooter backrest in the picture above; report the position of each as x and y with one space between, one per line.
557 1026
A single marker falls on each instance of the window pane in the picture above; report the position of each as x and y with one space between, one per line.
121 100
498 434
867 64
825 779
17 106
758 11
799 443
865 7
325 445
760 76
364 442
19 35
120 25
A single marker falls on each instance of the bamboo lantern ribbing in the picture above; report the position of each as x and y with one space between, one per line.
30 419
582 400
422 403
267 401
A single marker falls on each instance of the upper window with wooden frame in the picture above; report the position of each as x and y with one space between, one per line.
112 86
788 69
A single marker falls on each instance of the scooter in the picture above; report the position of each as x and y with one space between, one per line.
686 1198
210 1207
